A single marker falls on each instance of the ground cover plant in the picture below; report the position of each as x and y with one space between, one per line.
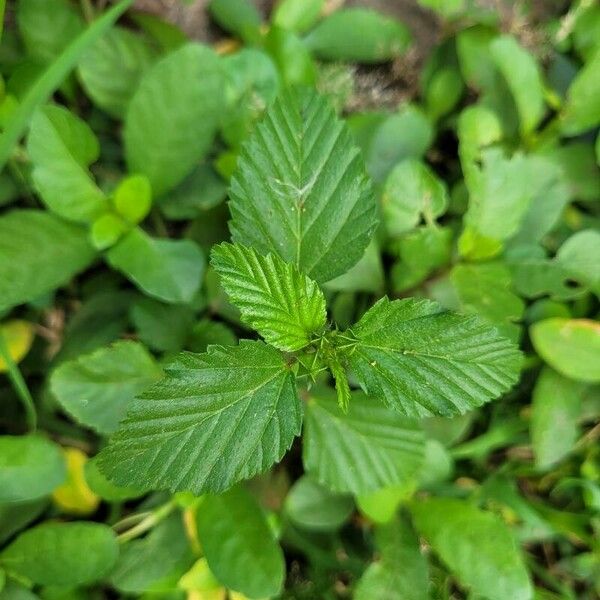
299 310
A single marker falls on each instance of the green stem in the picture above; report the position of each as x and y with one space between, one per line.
19 385
2 7
147 523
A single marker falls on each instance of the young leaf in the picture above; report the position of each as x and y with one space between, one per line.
30 467
173 116
239 545
369 448
300 189
193 431
282 304
68 554
170 270
61 147
476 545
96 388
38 253
570 346
422 360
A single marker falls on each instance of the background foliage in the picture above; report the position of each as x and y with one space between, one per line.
466 180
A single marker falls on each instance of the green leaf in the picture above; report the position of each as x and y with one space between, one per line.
422 360
358 35
570 346
283 305
62 147
411 191
300 189
38 253
154 562
102 487
239 544
555 411
582 108
237 16
173 116
170 270
522 74
292 58
579 258
133 198
476 545
191 430
47 27
485 289
95 389
111 69
312 506
366 449
30 467
297 15
67 554
400 572
53 76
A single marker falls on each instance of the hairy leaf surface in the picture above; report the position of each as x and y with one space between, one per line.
215 419
282 304
300 189
422 360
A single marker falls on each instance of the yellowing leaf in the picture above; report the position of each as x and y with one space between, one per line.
200 583
74 496
18 337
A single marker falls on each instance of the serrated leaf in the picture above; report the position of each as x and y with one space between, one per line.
173 116
239 545
61 147
30 467
300 189
38 253
422 360
96 388
282 304
111 69
68 554
476 545
366 449
192 430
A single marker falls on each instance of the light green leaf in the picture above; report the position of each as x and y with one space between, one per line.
111 69
297 15
411 192
239 545
358 35
96 388
190 431
133 198
30 467
62 147
400 572
155 562
285 306
300 189
555 412
522 74
582 108
366 449
170 270
485 289
421 360
365 276
476 545
579 258
102 487
47 27
67 554
38 253
312 506
173 116
237 16
570 346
